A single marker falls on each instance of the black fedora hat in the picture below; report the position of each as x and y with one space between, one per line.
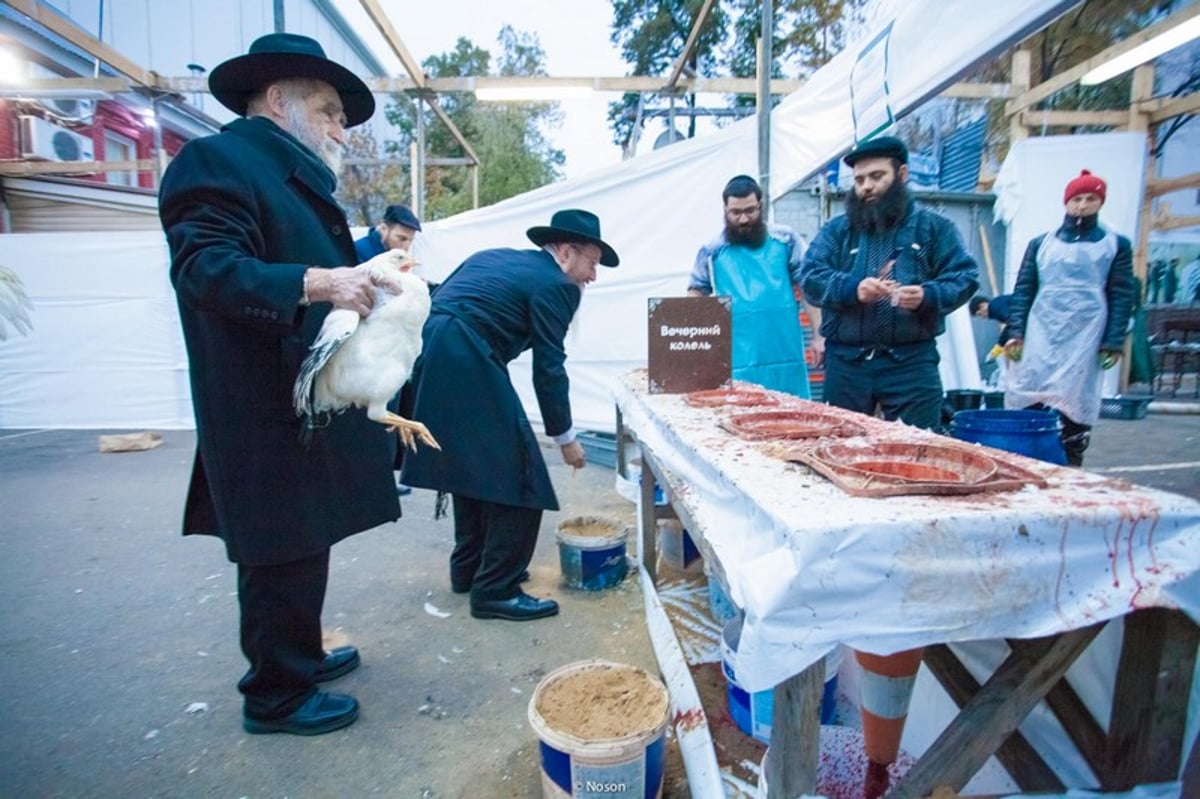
573 224
277 56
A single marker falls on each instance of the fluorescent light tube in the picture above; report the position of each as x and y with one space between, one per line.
1147 51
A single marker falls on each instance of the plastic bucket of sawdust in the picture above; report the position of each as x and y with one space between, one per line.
591 552
601 728
752 712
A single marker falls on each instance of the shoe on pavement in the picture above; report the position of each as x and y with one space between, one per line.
337 663
322 713
402 490
522 607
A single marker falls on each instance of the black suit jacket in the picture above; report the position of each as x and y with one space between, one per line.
246 212
495 306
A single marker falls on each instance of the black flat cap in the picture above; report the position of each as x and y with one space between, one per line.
401 215
880 147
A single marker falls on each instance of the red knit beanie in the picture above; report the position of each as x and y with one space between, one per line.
1084 184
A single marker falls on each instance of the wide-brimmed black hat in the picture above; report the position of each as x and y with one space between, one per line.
278 56
573 224
880 147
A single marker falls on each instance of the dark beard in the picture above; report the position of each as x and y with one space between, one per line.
750 235
883 215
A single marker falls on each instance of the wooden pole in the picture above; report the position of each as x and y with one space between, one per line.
987 259
1141 90
1021 80
764 103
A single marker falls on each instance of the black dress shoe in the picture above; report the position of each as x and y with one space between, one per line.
337 662
522 607
322 713
465 588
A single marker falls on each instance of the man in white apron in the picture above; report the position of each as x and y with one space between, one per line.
757 265
1070 311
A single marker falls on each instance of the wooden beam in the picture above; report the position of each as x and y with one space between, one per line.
454 131
64 27
1141 89
1162 108
992 715
1019 758
1022 76
791 767
1157 187
979 91
1175 222
1150 698
1064 79
384 26
1058 119
690 44
21 169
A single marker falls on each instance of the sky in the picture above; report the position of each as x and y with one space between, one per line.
574 36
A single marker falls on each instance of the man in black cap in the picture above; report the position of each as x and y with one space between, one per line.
259 249
885 275
396 232
496 305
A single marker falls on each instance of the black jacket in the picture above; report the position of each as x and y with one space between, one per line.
495 306
246 212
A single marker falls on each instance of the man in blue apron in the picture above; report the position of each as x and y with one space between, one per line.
757 265
885 275
1070 310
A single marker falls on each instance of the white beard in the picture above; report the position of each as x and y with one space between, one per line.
325 148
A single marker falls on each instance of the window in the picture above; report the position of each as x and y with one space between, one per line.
120 148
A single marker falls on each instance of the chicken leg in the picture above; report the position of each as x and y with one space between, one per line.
406 428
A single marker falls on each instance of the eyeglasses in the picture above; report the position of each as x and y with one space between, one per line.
743 213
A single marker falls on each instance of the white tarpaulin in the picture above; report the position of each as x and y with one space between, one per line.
656 210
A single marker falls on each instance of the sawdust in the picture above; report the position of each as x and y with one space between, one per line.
608 701
591 527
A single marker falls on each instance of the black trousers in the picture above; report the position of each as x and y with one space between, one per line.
281 633
1075 437
493 545
904 383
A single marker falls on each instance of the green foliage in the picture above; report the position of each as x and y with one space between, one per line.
507 137
365 190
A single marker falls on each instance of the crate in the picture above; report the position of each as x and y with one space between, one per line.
600 448
1124 407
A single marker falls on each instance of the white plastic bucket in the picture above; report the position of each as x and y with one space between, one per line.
591 552
752 712
630 766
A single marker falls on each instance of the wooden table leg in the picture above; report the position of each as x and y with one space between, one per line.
992 714
649 520
791 767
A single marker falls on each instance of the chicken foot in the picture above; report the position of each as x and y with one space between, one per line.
406 428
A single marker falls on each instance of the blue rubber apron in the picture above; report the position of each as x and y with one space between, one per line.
768 345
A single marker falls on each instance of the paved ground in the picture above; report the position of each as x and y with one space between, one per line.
118 650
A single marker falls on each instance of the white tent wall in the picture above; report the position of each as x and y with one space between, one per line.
658 209
106 350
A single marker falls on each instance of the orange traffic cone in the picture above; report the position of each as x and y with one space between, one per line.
887 685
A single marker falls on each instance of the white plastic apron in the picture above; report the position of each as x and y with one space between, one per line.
768 345
1060 365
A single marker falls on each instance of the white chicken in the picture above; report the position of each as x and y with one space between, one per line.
364 361
14 304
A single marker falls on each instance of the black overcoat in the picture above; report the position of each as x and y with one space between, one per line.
246 212
495 306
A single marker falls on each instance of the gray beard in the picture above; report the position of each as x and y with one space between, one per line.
325 148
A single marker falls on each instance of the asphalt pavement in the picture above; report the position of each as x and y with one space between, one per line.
119 651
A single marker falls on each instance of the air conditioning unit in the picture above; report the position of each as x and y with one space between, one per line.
71 107
43 139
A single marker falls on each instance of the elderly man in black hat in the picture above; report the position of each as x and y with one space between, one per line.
259 255
885 275
496 305
396 232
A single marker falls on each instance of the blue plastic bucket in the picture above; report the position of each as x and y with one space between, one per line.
752 712
579 763
1031 433
591 552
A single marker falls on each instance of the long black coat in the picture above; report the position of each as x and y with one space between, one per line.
246 212
495 306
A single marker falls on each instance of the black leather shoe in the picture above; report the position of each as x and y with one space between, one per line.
465 588
522 607
322 713
338 662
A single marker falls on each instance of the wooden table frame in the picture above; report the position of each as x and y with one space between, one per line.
1142 742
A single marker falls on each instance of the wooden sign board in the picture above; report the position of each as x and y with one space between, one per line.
691 344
